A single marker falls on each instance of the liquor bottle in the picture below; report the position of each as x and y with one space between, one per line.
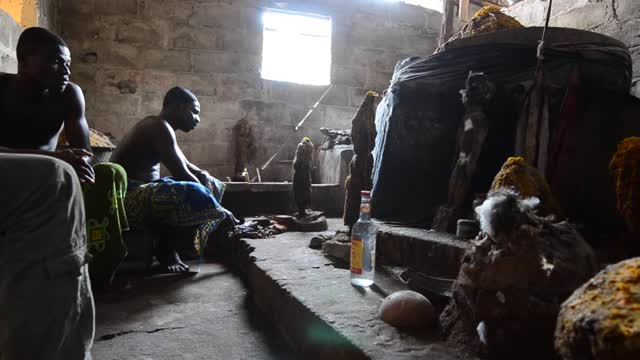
363 246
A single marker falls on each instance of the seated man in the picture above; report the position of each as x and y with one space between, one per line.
46 303
166 207
36 104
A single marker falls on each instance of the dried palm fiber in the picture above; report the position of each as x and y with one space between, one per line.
363 137
517 174
601 320
625 166
487 20
96 138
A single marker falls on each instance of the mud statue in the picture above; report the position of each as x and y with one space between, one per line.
472 134
363 136
302 176
245 148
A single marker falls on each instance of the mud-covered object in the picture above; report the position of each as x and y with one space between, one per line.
333 137
601 320
513 280
486 20
625 167
517 174
418 117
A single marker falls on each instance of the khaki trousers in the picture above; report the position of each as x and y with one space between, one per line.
46 304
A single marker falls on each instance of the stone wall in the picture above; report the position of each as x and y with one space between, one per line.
619 19
127 53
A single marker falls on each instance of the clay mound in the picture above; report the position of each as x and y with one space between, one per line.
511 283
489 19
518 175
625 166
601 320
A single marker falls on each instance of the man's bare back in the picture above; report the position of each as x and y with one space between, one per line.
138 153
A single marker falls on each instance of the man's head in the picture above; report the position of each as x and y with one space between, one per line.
181 109
44 59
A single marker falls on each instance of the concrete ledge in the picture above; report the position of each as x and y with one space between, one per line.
316 309
269 186
251 199
429 252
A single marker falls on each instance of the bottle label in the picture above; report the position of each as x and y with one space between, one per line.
357 250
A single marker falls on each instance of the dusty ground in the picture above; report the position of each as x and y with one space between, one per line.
195 316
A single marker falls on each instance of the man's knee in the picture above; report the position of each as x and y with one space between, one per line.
58 179
110 171
45 199
198 195
36 174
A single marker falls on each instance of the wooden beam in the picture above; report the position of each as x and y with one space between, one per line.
463 11
448 15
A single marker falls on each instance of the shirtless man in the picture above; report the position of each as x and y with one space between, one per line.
46 303
165 207
39 101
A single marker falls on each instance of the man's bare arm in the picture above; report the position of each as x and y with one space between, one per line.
170 154
76 129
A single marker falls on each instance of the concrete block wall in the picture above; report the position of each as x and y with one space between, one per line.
127 53
619 19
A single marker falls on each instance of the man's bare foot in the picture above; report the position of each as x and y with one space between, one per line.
173 263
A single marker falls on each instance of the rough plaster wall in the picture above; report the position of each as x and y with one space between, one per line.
10 29
619 19
9 33
127 53
47 14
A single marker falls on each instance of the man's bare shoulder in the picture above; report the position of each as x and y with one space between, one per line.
155 125
72 94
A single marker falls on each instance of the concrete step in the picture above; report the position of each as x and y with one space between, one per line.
426 251
316 309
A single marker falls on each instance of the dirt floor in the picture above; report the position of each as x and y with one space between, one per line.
207 315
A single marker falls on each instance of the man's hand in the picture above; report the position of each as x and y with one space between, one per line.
203 177
79 159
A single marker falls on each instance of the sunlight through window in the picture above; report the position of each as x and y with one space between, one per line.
296 47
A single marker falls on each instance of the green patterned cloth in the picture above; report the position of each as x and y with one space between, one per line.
178 204
106 220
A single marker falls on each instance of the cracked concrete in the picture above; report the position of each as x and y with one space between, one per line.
320 313
195 316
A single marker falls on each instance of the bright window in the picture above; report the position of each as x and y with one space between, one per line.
296 47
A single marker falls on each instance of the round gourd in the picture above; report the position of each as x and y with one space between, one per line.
407 309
